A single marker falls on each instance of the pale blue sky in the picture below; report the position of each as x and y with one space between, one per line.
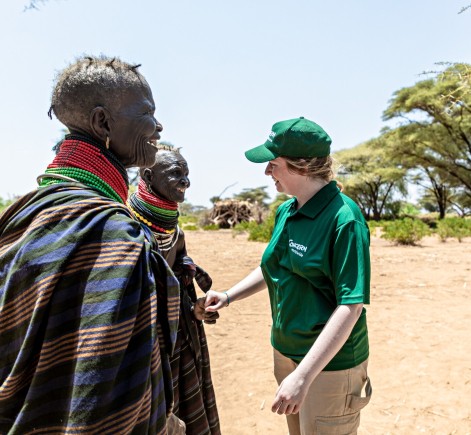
223 72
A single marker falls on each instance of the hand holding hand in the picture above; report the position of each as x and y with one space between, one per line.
290 394
215 301
200 312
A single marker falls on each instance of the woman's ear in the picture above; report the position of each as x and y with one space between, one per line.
100 122
147 176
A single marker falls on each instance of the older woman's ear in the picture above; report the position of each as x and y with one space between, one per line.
100 122
147 175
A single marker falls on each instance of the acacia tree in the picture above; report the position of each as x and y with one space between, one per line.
407 145
370 178
435 128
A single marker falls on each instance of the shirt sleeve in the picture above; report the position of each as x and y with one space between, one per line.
351 269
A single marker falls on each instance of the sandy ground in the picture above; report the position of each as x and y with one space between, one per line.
419 323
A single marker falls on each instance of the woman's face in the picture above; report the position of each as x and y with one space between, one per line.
170 176
285 181
134 131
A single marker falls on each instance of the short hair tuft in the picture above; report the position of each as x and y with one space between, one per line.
89 82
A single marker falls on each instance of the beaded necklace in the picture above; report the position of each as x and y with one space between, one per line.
159 214
87 161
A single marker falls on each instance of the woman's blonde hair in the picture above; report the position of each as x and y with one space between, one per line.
316 167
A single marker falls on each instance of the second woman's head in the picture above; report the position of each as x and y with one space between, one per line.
297 146
168 177
109 101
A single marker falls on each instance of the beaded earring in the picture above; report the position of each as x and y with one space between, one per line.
107 144
149 188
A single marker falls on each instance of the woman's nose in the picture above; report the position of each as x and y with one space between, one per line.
268 169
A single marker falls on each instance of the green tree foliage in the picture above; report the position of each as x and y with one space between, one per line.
371 178
257 195
4 203
409 144
435 131
461 203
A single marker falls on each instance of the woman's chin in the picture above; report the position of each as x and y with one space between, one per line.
178 198
147 159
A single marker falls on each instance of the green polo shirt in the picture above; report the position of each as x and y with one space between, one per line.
318 258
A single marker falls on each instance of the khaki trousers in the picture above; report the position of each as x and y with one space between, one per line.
333 402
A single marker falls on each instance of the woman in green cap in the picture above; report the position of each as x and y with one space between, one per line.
317 270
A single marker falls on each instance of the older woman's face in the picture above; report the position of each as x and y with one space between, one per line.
170 176
134 131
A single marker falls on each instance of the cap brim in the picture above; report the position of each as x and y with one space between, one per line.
260 154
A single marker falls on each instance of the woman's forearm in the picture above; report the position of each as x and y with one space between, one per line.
331 339
251 284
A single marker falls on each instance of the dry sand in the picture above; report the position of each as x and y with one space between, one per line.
419 326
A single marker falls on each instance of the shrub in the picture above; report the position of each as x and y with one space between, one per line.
5 203
408 209
187 219
456 227
211 227
257 232
405 232
262 232
375 226
190 227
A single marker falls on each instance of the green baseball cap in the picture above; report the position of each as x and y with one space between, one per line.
298 137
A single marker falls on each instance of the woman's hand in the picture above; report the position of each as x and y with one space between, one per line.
215 301
290 394
201 314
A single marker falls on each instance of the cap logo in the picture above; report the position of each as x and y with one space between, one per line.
271 136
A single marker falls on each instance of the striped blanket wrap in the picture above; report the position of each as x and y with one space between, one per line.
88 318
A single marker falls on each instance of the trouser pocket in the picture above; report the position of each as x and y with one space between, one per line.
356 403
343 425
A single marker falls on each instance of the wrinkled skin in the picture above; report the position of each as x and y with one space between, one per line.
168 178
200 312
130 126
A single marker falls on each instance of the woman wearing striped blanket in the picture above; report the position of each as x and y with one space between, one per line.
88 309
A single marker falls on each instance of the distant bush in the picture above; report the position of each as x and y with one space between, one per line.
190 227
188 219
375 227
430 219
4 203
188 222
211 227
454 227
405 231
408 209
257 232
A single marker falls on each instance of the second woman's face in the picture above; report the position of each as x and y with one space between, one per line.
285 181
134 131
170 176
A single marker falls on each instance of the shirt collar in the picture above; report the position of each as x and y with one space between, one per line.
318 202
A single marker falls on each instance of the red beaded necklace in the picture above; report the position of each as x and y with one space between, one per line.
75 153
153 199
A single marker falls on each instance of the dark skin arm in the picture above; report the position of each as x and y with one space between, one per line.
200 312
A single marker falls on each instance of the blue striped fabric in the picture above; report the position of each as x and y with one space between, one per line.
88 316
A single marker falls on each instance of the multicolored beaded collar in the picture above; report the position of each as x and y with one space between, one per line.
86 161
159 214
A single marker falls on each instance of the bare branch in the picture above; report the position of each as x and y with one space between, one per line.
464 8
